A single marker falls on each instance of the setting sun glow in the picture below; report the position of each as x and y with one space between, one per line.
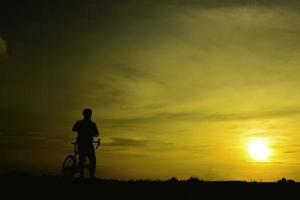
259 150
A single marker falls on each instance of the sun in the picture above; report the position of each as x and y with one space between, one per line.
259 150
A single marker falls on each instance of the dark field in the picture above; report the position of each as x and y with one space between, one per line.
56 187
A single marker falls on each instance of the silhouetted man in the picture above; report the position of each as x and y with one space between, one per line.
86 130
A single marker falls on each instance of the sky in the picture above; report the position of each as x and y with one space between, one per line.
177 88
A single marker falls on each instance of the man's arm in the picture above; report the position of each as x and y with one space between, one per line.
96 132
75 127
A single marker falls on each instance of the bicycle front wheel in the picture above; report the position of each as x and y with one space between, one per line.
69 166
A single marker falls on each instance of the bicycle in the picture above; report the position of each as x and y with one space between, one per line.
70 165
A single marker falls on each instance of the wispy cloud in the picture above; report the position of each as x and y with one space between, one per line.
28 138
254 115
288 152
234 3
126 71
116 141
198 116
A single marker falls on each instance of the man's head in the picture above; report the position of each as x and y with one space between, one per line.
87 113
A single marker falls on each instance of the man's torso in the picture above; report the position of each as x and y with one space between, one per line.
86 130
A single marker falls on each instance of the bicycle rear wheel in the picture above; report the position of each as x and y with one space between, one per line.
69 166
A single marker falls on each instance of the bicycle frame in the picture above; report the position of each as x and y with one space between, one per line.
76 148
70 164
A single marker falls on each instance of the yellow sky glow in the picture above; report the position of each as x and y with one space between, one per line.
211 92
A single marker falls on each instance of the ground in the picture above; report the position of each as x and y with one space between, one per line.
17 187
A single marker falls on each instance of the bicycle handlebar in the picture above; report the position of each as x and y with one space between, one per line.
94 141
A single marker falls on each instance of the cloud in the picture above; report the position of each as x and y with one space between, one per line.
247 116
234 3
126 71
116 141
198 116
290 152
3 49
29 138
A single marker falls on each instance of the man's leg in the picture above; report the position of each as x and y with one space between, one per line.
92 159
82 155
81 163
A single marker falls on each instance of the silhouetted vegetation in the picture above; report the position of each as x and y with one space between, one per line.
284 181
